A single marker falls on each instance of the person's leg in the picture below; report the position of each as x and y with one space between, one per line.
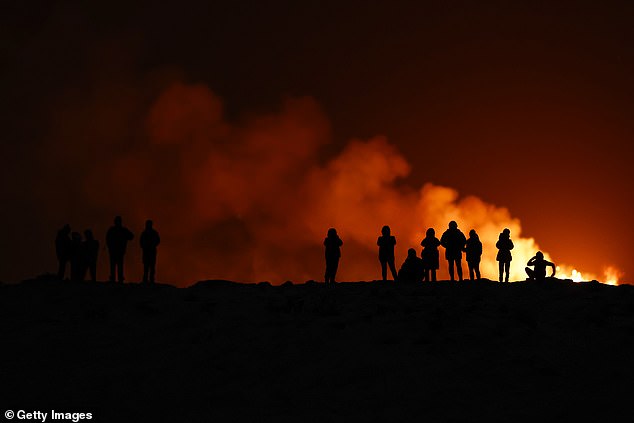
113 265
120 269
476 267
61 270
471 270
335 266
384 270
153 269
146 268
459 268
329 272
507 268
433 275
530 272
83 268
450 261
393 270
93 271
501 270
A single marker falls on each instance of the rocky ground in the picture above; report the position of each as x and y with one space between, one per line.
222 351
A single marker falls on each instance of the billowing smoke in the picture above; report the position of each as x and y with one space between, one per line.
251 200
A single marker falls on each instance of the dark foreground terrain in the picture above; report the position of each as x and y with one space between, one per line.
220 351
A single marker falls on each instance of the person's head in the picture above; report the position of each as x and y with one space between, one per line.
118 221
453 225
506 232
148 224
332 232
539 255
88 234
431 232
385 230
66 229
411 253
472 233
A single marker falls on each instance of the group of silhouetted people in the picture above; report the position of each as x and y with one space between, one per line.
83 254
415 269
80 254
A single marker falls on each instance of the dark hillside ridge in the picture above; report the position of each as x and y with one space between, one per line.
369 351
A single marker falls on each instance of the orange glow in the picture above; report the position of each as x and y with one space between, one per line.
252 201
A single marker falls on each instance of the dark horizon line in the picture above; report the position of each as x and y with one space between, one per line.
311 282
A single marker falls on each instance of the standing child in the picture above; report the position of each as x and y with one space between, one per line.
505 245
474 253
333 252
386 243
430 255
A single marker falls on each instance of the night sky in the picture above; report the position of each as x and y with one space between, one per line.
246 129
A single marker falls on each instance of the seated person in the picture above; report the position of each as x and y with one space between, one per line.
412 269
539 273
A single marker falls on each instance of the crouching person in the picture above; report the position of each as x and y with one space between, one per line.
412 269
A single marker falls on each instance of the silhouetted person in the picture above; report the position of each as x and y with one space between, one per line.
412 269
539 273
430 255
63 250
333 252
117 239
149 241
504 245
90 249
386 243
77 258
474 254
454 241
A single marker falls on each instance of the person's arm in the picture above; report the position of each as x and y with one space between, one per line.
158 239
340 241
548 263
378 241
511 246
531 262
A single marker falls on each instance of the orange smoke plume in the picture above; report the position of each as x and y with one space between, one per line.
252 201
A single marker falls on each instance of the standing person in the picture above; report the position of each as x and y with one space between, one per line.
474 254
117 239
63 250
386 243
91 252
77 258
504 245
149 241
430 255
454 241
539 274
333 252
